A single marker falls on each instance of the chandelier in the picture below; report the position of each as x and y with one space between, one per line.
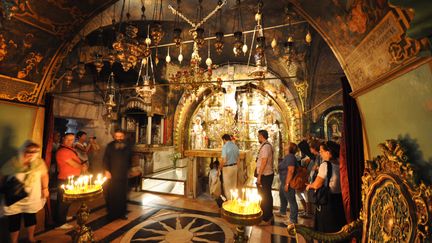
129 50
194 77
156 31
295 50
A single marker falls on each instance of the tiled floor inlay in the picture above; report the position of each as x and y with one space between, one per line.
177 227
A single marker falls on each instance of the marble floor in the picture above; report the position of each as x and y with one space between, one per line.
162 218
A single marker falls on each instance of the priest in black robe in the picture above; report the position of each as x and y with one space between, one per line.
117 161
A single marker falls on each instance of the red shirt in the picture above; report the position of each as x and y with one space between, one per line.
63 154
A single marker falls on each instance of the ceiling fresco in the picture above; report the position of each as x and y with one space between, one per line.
31 34
367 37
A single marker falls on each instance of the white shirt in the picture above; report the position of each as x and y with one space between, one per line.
334 183
34 201
266 151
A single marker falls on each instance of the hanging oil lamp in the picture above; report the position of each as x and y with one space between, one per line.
177 36
238 43
81 70
219 44
199 36
68 77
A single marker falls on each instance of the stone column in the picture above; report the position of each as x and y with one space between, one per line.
149 128
123 123
162 124
137 132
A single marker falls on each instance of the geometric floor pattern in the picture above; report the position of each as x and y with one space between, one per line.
174 227
168 219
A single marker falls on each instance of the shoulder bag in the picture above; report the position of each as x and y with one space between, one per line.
13 190
320 196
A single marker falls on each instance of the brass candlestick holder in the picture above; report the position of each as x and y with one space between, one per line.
82 190
242 211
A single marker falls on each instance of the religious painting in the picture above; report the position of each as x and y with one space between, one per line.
23 51
368 37
130 124
333 125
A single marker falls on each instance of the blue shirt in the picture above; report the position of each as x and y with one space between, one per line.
230 153
289 160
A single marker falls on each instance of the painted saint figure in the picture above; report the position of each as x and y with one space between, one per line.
198 134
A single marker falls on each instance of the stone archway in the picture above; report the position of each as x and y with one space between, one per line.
275 88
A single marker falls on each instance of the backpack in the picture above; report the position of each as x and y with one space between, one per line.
298 182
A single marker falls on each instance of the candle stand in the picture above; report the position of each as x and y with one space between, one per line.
241 216
82 233
82 190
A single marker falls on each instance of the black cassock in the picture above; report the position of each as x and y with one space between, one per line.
117 160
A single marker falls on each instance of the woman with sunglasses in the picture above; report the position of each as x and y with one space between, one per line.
330 217
28 168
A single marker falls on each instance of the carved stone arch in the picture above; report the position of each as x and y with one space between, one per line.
135 103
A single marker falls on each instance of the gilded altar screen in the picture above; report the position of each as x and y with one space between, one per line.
240 113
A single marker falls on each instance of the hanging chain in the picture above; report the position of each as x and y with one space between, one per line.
196 25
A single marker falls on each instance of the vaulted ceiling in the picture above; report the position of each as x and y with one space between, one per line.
40 38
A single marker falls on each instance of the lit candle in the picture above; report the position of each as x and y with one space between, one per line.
243 196
91 176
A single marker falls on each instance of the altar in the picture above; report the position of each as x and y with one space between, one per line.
198 168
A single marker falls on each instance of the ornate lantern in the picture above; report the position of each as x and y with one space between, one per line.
156 32
68 76
238 43
177 36
81 70
219 44
260 47
98 63
199 37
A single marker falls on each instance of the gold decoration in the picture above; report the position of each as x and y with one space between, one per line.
219 44
177 37
242 210
302 88
27 97
156 33
395 207
4 47
31 61
81 190
128 48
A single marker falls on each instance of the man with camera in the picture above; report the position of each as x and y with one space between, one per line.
83 148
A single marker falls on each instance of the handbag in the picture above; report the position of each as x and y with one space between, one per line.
300 179
320 196
13 190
